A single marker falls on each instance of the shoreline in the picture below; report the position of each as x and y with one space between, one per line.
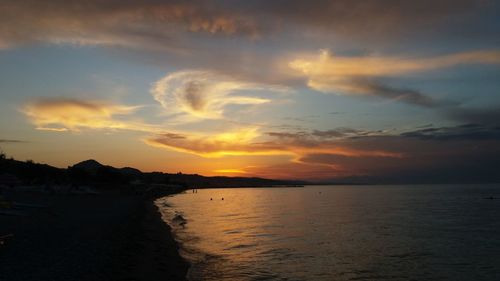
111 236
158 257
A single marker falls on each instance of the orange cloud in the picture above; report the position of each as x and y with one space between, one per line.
327 65
357 75
249 141
61 114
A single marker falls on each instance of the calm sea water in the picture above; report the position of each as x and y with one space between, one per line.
339 232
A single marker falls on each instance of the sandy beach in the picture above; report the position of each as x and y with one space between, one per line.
73 237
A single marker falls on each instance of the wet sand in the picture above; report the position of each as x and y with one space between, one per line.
103 237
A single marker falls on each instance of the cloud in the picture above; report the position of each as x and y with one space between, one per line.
473 124
163 23
345 133
425 155
489 116
430 154
11 141
361 75
205 94
427 162
63 114
321 135
437 155
368 19
235 37
248 141
461 132
145 24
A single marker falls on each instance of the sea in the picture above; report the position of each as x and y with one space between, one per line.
338 232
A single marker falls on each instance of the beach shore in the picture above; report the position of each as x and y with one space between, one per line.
109 236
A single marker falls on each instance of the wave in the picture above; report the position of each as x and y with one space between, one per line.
179 219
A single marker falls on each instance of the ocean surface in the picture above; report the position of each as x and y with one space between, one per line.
421 232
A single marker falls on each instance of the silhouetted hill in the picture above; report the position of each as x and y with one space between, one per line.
95 168
91 172
90 165
29 172
130 171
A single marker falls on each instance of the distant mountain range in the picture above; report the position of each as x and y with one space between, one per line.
91 172
93 166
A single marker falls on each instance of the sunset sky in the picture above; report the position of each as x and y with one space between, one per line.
315 90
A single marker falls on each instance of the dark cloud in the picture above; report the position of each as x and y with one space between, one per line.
364 18
461 132
221 35
425 126
286 135
159 23
468 169
11 141
325 135
487 116
336 133
172 136
457 160
399 94
194 96
467 153
145 24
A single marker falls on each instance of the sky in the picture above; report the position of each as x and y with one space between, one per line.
376 90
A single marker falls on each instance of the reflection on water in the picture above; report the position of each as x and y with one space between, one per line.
340 232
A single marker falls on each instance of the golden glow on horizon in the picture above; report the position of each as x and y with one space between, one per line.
230 171
76 115
245 142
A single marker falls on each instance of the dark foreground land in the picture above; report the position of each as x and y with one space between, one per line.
88 237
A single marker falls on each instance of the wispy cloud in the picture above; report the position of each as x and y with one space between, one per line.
461 132
206 95
11 141
63 114
361 75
